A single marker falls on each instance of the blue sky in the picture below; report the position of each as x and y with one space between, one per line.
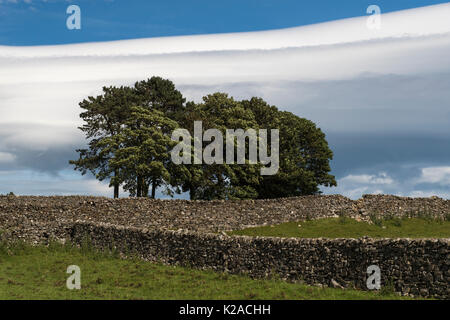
40 22
381 98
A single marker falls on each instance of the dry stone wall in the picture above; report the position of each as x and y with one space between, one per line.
204 216
388 205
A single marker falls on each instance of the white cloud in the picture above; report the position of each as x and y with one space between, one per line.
379 179
43 85
355 185
24 182
437 175
6 157
429 193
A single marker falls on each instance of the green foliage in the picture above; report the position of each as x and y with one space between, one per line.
376 220
425 215
387 288
143 156
397 222
118 127
221 181
129 128
344 219
159 94
304 153
104 117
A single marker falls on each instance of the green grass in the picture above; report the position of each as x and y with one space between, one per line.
40 273
344 227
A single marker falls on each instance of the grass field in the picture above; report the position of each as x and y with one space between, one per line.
344 227
40 273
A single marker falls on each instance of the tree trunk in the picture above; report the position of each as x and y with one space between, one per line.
116 187
153 190
116 191
138 187
145 187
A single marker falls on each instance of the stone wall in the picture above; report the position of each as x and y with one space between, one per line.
414 267
205 216
388 205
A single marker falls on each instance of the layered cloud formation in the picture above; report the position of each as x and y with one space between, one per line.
381 96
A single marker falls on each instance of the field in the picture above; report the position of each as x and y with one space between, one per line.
344 227
40 273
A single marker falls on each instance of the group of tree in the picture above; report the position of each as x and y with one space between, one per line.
128 132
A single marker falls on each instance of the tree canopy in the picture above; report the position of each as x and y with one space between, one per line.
129 129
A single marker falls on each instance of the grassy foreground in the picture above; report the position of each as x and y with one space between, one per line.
40 273
344 227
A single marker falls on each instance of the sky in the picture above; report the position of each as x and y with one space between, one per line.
380 95
40 22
